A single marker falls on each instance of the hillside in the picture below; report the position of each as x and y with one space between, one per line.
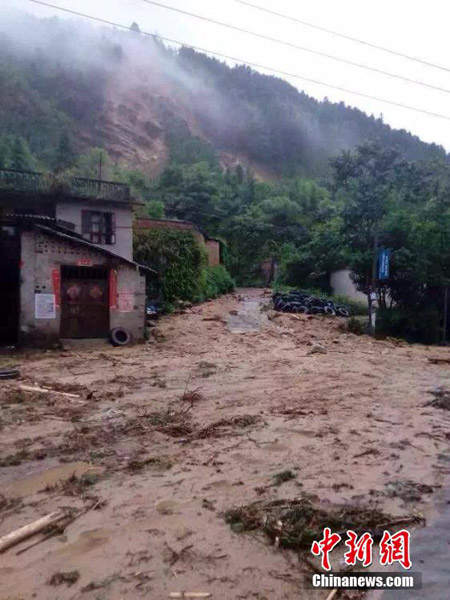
144 102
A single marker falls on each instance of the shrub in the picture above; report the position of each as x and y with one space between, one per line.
217 281
355 326
178 259
419 326
181 264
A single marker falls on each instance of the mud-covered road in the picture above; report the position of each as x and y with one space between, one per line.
156 441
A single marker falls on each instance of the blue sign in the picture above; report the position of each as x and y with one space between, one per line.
383 263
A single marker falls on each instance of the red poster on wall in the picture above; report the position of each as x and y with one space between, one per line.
112 288
84 262
56 283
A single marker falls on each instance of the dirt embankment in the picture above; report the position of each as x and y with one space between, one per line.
163 438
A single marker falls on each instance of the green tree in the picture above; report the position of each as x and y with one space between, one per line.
65 154
20 155
364 181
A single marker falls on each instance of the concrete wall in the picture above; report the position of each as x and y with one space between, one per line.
71 211
42 256
341 283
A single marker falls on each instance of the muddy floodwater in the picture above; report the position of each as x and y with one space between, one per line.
249 316
430 554
229 403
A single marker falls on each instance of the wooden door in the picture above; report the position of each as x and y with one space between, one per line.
84 307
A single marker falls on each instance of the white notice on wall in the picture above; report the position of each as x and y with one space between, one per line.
125 301
44 306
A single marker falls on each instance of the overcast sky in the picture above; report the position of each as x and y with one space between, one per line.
411 27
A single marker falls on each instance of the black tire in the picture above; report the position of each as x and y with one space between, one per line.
120 336
329 311
9 374
302 309
342 312
295 307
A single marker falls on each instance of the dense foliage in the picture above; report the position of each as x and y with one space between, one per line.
178 259
181 263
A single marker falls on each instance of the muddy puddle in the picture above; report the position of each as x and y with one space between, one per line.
249 317
36 482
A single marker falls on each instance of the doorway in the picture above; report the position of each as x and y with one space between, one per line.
84 302
9 284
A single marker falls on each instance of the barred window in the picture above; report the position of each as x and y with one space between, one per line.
98 227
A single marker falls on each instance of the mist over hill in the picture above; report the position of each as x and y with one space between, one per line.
145 103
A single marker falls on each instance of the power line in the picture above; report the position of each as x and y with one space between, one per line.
344 36
240 60
297 47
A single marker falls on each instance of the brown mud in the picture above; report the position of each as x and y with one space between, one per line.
211 414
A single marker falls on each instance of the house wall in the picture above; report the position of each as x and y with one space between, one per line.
213 250
341 283
71 211
42 257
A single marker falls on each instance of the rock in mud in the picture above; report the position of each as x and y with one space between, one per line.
317 349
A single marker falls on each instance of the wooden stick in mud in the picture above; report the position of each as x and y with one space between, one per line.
29 388
17 536
68 519
332 594
190 595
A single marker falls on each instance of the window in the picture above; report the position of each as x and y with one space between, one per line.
98 227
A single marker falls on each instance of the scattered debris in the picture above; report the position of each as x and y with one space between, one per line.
69 578
192 396
441 399
373 451
75 486
407 490
97 585
280 478
317 349
160 463
439 360
217 429
302 522
175 556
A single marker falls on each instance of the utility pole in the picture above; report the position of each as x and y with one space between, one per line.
444 337
373 283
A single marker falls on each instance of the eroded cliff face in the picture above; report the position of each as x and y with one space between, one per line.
147 100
